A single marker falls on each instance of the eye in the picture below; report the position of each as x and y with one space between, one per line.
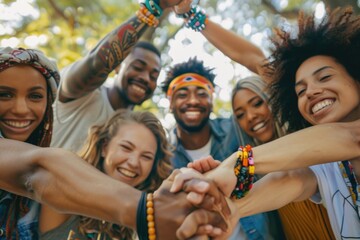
36 96
6 95
125 147
148 157
202 93
137 68
259 103
154 76
324 78
240 115
181 94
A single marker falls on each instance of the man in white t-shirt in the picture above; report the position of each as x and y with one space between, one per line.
83 100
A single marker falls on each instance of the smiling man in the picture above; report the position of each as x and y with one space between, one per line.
189 87
83 100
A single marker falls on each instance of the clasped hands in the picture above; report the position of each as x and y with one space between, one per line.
196 204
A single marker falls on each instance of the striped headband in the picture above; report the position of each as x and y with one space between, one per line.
189 79
10 57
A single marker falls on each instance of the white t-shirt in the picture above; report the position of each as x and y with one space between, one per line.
201 152
73 119
335 196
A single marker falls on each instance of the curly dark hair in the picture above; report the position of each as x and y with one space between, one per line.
193 65
337 36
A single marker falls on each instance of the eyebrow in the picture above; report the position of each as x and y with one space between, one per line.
145 64
31 89
313 74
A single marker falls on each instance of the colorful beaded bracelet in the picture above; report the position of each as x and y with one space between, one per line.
153 7
145 16
197 19
244 171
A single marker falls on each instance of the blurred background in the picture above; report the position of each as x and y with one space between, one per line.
67 29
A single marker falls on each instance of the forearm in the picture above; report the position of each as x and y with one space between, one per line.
67 183
235 47
90 72
276 190
315 145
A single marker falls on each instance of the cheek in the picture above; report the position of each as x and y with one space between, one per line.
243 125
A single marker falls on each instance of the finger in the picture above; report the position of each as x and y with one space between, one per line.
199 237
196 197
187 174
197 218
209 164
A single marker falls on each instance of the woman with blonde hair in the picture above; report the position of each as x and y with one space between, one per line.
116 148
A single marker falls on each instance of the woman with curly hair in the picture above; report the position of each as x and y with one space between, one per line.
116 148
315 81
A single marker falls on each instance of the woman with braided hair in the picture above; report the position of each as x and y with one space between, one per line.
28 85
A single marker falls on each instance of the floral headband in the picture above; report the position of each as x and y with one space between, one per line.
189 79
10 57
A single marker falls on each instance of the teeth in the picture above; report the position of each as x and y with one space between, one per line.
127 173
258 126
18 124
320 105
139 89
192 114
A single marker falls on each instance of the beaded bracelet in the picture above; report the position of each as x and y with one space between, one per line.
145 16
196 18
244 171
153 7
150 216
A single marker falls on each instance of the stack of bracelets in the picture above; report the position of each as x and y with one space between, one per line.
196 18
149 12
145 220
244 171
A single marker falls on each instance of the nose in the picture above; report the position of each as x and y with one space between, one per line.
313 90
193 99
133 161
251 115
145 77
20 106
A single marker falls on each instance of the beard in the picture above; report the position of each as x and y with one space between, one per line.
191 129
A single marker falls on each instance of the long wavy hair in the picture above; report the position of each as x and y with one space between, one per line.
337 36
91 152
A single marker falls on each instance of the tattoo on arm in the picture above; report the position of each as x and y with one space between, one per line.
93 70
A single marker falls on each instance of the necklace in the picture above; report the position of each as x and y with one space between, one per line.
351 182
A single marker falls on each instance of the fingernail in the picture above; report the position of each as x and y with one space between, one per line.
202 186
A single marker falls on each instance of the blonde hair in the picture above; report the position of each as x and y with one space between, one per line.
91 152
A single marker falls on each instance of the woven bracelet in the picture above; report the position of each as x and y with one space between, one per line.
141 223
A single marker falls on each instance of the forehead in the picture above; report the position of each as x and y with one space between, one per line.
313 64
22 77
136 133
145 56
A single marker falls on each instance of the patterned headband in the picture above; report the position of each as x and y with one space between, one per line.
10 57
189 79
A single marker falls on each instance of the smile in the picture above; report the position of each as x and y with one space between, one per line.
127 173
258 126
321 105
139 89
17 124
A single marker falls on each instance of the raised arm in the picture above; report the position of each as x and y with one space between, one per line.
90 72
235 47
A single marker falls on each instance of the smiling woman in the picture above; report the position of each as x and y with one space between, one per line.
28 84
116 148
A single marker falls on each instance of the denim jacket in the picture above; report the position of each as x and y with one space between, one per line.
226 141
27 226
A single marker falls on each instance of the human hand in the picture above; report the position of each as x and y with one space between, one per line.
169 3
204 165
183 7
171 210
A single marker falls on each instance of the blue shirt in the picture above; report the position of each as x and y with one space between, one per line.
225 141
27 226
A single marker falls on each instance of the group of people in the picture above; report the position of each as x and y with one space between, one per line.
78 163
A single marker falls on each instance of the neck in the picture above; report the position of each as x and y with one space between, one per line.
194 140
116 100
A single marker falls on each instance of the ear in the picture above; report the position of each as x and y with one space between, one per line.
104 148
